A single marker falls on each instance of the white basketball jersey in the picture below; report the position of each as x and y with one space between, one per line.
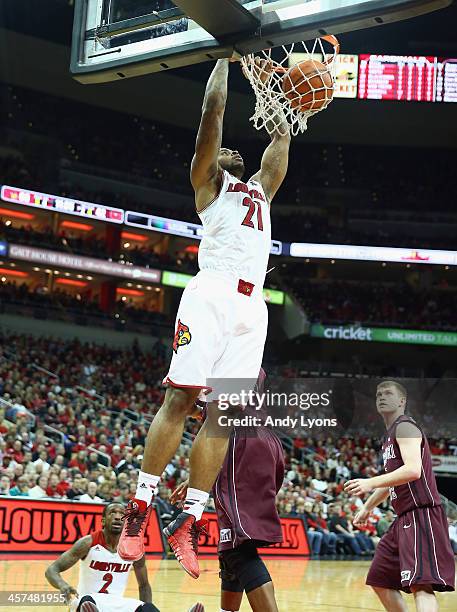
237 231
103 571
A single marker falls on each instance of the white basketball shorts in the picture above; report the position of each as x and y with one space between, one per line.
110 603
220 331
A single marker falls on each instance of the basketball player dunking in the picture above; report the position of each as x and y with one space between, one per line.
415 554
221 323
103 575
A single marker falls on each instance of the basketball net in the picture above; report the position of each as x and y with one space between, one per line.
282 111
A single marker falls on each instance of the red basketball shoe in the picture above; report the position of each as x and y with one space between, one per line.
88 606
136 518
182 535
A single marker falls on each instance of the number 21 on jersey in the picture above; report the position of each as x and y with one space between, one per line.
251 206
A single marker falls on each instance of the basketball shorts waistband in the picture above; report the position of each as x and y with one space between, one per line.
230 282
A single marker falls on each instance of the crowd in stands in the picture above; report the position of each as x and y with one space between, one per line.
73 423
335 303
94 246
373 303
80 308
371 180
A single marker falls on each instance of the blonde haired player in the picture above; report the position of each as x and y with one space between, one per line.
221 324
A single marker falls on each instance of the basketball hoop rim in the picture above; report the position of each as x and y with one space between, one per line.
330 38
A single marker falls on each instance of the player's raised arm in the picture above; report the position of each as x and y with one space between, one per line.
141 574
68 559
204 173
274 164
275 159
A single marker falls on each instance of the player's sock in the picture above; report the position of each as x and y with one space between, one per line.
195 502
146 486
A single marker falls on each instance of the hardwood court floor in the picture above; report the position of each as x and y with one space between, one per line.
300 586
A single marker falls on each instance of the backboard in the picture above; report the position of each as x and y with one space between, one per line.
117 39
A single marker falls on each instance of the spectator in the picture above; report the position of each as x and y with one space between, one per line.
64 483
39 490
165 509
384 523
312 520
116 455
91 495
340 526
41 464
80 461
53 486
4 485
92 462
22 487
78 487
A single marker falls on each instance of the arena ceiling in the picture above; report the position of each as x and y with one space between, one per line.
36 54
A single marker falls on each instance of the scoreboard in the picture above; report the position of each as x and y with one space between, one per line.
446 80
412 78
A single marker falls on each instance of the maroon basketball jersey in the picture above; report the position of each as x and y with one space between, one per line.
421 493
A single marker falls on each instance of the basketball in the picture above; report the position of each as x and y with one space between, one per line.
308 85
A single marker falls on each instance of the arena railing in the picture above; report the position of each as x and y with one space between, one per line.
55 432
41 369
13 410
106 458
90 393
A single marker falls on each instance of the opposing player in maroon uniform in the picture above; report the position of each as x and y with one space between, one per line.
245 499
415 555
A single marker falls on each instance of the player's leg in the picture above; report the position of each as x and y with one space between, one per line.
230 601
426 556
425 598
195 348
231 589
391 599
163 439
208 451
241 360
115 603
263 598
165 432
210 448
87 604
250 572
384 575
147 607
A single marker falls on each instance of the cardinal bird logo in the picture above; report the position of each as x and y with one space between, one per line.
182 336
